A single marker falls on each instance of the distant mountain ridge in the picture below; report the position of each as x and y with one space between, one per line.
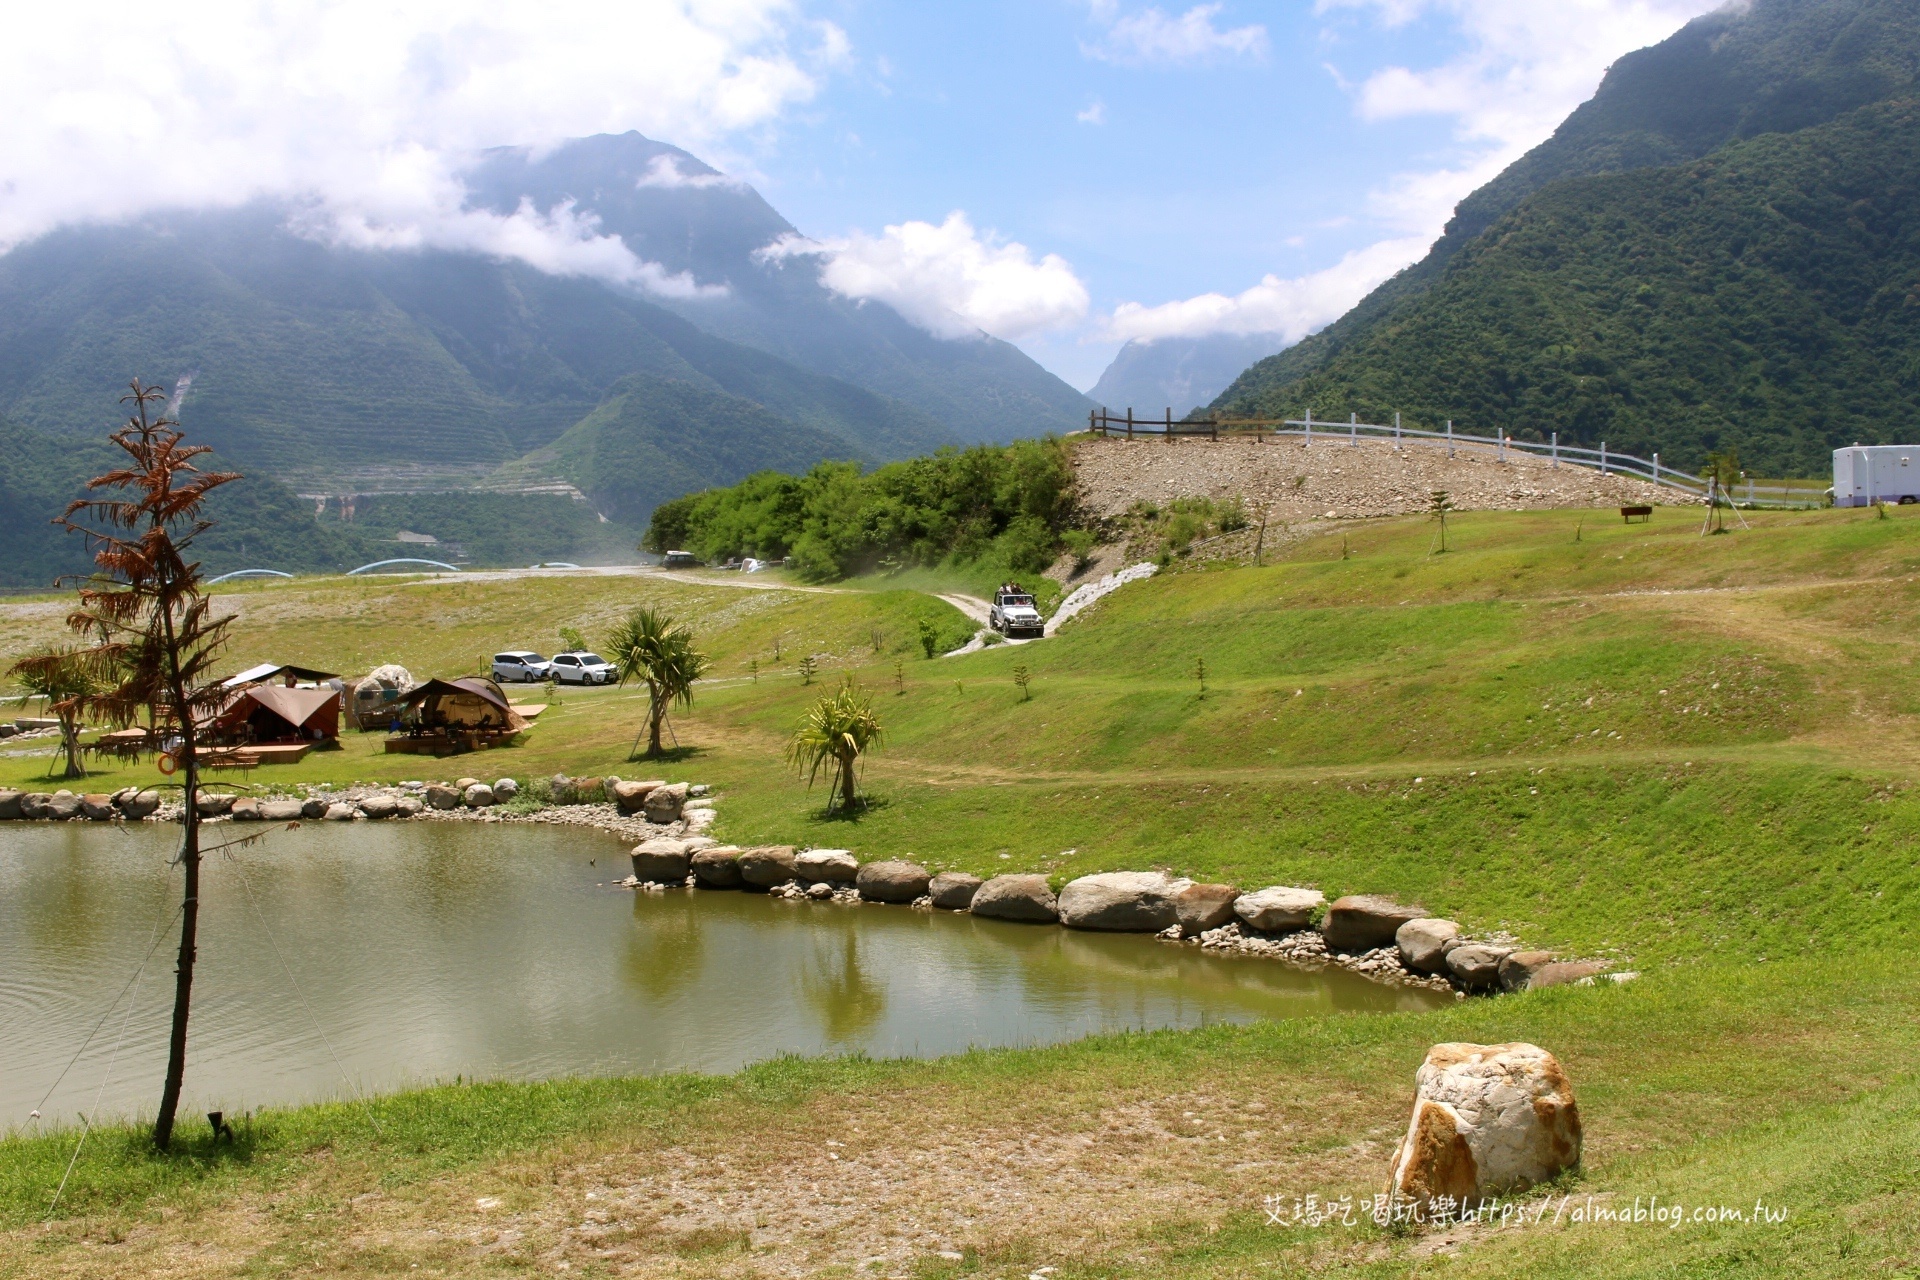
1181 374
1615 283
340 370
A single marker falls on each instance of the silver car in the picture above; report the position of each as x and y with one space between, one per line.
521 666
583 668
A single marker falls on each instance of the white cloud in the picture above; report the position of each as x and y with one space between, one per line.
1153 36
949 279
1290 308
665 172
363 112
1522 68
1095 113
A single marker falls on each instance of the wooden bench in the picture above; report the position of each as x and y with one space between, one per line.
1643 514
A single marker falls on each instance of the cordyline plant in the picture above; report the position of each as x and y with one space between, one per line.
649 646
833 735
66 678
154 639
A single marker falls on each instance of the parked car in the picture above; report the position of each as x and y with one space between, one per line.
583 668
520 665
680 560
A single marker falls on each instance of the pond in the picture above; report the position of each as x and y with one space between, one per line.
392 954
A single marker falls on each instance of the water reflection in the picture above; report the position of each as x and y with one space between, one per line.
840 994
430 949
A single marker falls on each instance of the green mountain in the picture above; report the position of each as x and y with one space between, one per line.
258 522
334 367
1715 251
633 451
670 208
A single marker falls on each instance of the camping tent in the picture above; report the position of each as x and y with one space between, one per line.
268 670
470 702
275 713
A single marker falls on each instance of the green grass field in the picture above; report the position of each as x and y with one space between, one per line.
1695 757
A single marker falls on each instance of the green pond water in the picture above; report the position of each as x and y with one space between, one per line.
373 956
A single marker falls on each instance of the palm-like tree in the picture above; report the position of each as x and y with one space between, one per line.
649 646
833 735
66 678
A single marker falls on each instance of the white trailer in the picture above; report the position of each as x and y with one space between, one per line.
1866 474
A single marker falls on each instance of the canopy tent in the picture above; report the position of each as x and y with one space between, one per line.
470 702
275 713
268 670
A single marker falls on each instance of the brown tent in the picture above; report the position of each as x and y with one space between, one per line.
470 702
275 713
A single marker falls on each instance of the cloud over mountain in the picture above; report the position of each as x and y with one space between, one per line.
362 114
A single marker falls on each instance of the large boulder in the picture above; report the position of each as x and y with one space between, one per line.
1476 965
1563 972
439 797
63 805
1120 902
36 804
1518 967
505 789
662 804
1423 943
953 890
1017 897
1488 1119
407 806
632 796
477 796
661 861
340 811
139 805
282 810
698 819
246 809
1279 908
461 784
212 804
891 881
379 806
314 808
716 867
1362 922
9 805
767 865
826 866
98 808
1200 907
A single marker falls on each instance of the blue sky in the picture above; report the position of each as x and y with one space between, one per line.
1164 170
1065 174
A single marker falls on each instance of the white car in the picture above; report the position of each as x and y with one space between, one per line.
522 666
583 668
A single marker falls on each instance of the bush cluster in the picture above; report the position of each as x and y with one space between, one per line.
1009 504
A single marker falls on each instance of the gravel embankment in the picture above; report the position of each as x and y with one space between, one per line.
1331 479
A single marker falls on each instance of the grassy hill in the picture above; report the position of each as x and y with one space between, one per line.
1692 756
1710 253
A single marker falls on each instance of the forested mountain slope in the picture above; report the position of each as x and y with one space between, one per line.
1683 303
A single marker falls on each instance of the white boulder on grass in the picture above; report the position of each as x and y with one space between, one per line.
826 866
1488 1119
1121 902
1279 908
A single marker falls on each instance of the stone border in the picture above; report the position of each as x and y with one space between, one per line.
1375 937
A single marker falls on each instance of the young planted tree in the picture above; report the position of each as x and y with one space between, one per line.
66 678
154 639
833 735
1439 507
649 646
